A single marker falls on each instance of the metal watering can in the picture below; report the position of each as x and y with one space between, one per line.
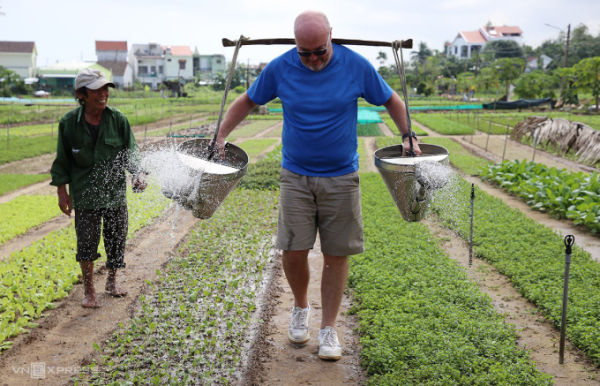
406 181
403 172
209 189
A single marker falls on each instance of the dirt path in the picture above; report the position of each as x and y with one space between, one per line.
283 363
64 340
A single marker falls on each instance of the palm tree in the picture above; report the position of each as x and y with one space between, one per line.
382 57
422 54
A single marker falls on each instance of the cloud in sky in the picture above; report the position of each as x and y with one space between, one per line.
65 30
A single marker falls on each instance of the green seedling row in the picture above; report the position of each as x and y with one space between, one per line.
18 148
32 279
421 320
532 256
250 129
392 126
22 213
443 124
32 130
368 129
193 325
10 182
254 147
571 195
264 174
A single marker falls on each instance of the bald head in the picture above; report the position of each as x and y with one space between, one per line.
311 25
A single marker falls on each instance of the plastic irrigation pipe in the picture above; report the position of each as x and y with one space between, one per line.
569 241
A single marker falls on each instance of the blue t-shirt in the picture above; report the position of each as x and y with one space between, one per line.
320 108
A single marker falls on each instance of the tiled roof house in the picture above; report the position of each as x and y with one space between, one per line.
468 43
113 55
20 57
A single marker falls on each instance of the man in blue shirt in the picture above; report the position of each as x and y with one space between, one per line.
318 83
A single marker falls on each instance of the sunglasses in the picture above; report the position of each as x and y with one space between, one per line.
306 54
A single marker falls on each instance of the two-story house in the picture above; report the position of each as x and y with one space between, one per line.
20 57
206 67
153 63
179 63
466 44
113 55
148 64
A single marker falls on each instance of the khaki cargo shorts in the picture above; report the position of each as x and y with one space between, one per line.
330 205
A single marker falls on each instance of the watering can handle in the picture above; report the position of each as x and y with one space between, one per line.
397 46
211 147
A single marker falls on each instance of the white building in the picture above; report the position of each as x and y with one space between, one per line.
153 63
20 57
113 55
147 61
179 62
469 43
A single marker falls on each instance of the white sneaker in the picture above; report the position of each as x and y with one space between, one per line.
329 345
298 331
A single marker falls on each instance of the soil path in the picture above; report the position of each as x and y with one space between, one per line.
64 340
283 363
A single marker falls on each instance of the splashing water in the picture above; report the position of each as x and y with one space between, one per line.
180 175
433 175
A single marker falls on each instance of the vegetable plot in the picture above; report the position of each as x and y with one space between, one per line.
10 182
25 212
192 327
532 256
33 278
575 196
422 321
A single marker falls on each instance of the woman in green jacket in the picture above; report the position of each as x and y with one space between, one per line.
95 147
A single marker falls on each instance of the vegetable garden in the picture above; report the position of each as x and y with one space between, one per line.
422 320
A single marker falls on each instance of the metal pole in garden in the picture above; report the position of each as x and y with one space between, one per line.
471 238
505 142
488 135
569 241
145 134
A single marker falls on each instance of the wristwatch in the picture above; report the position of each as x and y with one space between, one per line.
412 134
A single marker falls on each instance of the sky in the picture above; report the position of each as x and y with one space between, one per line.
66 30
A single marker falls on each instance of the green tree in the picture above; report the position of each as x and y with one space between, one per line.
508 70
488 78
12 84
588 76
502 49
535 84
465 82
422 54
382 57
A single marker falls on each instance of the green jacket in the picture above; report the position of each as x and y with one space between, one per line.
95 172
